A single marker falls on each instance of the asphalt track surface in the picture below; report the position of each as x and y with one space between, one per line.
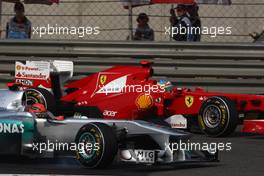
245 159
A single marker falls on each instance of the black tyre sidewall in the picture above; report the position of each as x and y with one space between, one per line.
228 121
44 97
106 139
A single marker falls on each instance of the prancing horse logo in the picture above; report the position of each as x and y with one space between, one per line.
103 79
189 101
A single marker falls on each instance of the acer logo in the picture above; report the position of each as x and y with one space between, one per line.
109 113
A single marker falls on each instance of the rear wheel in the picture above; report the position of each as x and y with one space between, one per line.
42 96
103 145
218 117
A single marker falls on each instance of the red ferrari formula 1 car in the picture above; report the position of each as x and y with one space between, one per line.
128 92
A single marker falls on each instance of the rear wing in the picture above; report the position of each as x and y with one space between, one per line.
37 73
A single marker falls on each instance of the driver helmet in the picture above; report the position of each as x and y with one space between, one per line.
38 109
165 84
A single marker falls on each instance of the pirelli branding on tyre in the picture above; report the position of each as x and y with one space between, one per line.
104 143
218 116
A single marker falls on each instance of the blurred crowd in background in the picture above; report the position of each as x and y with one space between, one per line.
184 19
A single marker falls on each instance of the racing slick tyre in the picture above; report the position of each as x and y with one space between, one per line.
102 145
218 117
42 96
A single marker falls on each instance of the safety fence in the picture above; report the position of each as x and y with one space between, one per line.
215 67
243 16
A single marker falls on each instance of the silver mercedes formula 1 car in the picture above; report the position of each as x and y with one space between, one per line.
96 143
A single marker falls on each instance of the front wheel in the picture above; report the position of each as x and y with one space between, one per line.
218 117
97 145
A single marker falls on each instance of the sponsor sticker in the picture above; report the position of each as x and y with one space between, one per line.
32 70
189 101
11 128
114 86
25 82
109 113
103 79
145 156
177 121
144 102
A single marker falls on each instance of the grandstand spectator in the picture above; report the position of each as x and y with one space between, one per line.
258 37
143 31
181 24
196 21
19 27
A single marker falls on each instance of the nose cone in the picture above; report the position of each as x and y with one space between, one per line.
126 155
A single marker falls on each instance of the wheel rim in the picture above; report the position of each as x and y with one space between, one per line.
36 98
87 138
212 116
32 100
